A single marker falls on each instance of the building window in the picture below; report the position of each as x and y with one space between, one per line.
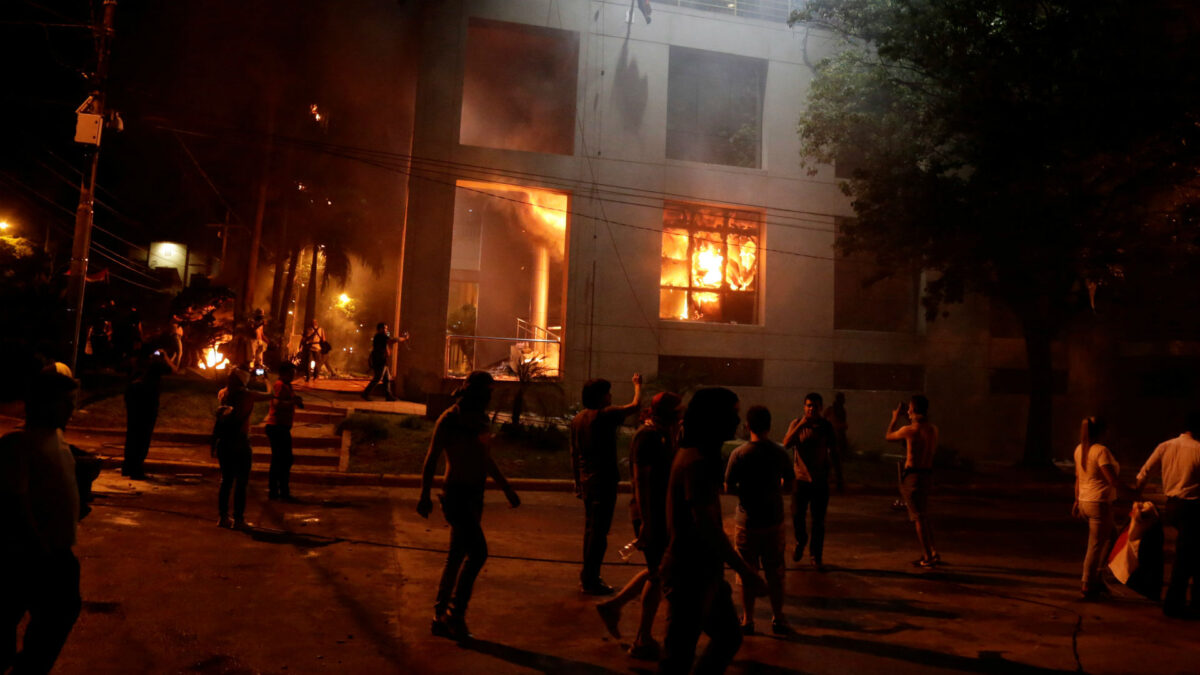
710 371
878 377
715 107
867 297
519 87
507 300
709 264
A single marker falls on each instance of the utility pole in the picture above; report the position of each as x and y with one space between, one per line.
247 299
87 187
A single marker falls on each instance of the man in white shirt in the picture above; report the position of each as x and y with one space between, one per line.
1179 461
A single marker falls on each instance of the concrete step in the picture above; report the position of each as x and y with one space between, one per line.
303 457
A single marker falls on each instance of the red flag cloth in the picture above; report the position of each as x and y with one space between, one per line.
644 5
1137 556
99 275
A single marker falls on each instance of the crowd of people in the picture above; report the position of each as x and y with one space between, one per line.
678 474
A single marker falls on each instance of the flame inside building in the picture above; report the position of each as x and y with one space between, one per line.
709 264
505 307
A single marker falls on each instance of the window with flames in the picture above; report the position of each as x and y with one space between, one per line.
710 264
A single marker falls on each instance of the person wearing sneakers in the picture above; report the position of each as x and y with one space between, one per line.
760 473
916 479
594 462
462 433
813 443
650 456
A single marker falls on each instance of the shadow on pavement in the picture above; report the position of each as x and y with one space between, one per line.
851 627
891 605
941 574
296 539
542 663
987 662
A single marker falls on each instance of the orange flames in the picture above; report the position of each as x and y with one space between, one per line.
697 260
213 359
549 209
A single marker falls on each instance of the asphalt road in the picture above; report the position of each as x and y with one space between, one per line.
343 582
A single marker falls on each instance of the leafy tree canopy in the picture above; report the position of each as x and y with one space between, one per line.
1014 148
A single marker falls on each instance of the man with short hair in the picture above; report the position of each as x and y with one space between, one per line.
760 473
1179 461
693 570
916 479
381 346
813 442
463 434
594 462
39 507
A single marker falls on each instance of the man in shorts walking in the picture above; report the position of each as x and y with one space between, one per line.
760 473
916 479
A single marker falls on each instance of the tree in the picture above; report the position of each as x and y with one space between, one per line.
1016 149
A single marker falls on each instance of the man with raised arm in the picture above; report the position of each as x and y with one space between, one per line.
594 461
463 434
916 480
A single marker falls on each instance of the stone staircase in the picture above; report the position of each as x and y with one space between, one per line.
315 441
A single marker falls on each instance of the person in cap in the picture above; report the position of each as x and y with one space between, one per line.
462 434
650 457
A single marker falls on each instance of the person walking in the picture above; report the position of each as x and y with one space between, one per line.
233 447
462 434
594 463
916 478
835 414
39 503
699 600
312 350
378 360
760 473
650 455
1096 488
1178 460
278 427
813 443
142 396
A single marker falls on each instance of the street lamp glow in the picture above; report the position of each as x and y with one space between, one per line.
4 226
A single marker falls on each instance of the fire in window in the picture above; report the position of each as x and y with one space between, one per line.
709 264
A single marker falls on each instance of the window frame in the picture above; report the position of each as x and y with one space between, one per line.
724 229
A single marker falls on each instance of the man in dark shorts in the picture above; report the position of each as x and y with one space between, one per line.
594 461
760 473
650 457
693 570
463 433
378 359
916 479
813 443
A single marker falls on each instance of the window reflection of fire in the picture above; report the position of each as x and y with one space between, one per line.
709 264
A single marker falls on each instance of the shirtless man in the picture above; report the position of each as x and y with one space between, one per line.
463 434
921 439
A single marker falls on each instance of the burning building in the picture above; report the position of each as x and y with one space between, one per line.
591 195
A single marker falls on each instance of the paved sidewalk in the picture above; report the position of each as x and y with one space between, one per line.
343 582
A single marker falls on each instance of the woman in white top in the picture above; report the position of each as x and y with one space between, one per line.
1096 488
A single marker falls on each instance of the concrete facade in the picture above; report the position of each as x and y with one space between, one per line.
612 326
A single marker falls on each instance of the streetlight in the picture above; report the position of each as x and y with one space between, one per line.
4 226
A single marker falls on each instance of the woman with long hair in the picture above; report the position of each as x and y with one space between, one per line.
1096 488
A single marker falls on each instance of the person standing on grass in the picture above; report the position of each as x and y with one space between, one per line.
650 457
813 443
278 427
1179 461
463 434
760 473
699 600
594 462
916 479
39 507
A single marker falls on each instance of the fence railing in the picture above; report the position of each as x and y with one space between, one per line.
764 10
465 353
